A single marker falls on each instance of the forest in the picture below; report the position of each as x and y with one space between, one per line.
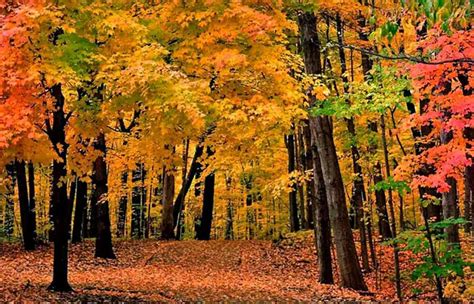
236 150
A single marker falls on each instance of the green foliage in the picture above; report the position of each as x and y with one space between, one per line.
449 260
390 184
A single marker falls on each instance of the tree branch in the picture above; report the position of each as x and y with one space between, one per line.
400 57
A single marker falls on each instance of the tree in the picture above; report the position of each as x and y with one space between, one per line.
351 275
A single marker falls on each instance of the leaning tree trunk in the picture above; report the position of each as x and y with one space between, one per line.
79 213
25 211
59 198
321 133
103 243
167 225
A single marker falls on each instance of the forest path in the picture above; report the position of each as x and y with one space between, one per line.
176 271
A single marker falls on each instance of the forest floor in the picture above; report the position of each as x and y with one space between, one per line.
180 271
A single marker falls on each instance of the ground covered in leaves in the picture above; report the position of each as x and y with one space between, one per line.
181 271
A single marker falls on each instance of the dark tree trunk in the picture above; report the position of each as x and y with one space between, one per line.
229 223
300 161
310 181
392 211
138 201
469 199
449 200
204 232
167 225
193 170
293 206
79 213
59 197
103 242
32 199
380 198
9 201
321 133
322 227
92 219
184 174
25 211
450 210
72 196
122 208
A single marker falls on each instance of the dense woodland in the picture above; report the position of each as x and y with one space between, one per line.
242 120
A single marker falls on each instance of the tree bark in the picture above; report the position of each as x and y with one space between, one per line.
300 161
32 199
380 198
167 225
59 197
193 170
9 201
469 199
138 201
79 213
122 209
310 182
204 232
321 133
293 206
358 191
25 211
449 201
103 242
392 211
322 225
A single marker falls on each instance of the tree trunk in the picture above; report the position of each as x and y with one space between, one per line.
322 225
290 145
392 211
32 199
167 226
138 201
300 161
79 213
204 232
193 170
450 210
358 191
449 200
25 211
9 201
469 199
321 135
103 242
380 198
309 167
59 197
122 208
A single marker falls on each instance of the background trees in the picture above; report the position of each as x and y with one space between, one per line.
237 120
